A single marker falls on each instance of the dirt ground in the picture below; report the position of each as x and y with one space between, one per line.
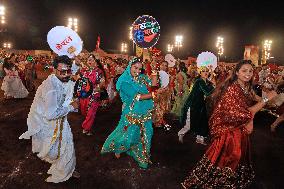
21 169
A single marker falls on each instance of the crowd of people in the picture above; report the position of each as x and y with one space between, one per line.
217 106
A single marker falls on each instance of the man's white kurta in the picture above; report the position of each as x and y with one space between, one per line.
51 134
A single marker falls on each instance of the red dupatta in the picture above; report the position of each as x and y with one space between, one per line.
231 111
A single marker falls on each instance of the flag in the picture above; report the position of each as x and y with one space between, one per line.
98 43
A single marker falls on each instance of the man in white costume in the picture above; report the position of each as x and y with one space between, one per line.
47 122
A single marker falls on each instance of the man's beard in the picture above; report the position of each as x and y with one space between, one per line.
65 79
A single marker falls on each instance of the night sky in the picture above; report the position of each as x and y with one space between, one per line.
200 22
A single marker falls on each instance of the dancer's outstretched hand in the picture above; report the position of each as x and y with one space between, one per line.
271 94
249 127
75 104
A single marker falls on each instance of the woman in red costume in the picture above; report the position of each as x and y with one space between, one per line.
89 106
227 163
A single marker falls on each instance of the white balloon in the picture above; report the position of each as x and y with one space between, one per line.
64 41
206 59
164 78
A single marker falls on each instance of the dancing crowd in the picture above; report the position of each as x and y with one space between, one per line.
217 106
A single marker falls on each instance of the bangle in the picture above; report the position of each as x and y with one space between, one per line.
154 73
138 97
153 95
264 99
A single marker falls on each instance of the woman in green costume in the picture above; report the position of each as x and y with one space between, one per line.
134 131
194 116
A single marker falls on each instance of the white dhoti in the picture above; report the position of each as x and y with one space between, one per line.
54 145
51 134
186 127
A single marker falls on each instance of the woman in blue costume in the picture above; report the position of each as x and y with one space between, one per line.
134 131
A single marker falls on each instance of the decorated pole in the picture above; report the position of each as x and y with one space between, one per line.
145 32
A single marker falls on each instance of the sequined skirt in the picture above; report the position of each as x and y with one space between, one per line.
226 164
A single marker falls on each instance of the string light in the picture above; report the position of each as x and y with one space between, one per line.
219 45
130 33
266 54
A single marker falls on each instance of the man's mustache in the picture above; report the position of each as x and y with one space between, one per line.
66 78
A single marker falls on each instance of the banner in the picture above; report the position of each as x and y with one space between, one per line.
145 31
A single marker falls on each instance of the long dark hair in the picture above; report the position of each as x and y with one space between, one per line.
62 59
222 87
182 67
99 64
7 64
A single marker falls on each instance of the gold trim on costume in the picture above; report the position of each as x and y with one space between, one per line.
54 133
206 175
58 122
139 121
60 136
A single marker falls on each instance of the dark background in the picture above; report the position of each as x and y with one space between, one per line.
200 22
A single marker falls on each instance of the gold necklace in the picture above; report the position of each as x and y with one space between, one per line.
245 89
135 78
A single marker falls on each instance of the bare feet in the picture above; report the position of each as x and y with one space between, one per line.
84 131
89 133
273 128
167 127
180 138
200 140
76 174
117 155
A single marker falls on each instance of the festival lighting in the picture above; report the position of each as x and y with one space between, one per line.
220 47
130 33
131 38
7 45
266 54
73 24
178 41
170 48
267 48
2 15
123 47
